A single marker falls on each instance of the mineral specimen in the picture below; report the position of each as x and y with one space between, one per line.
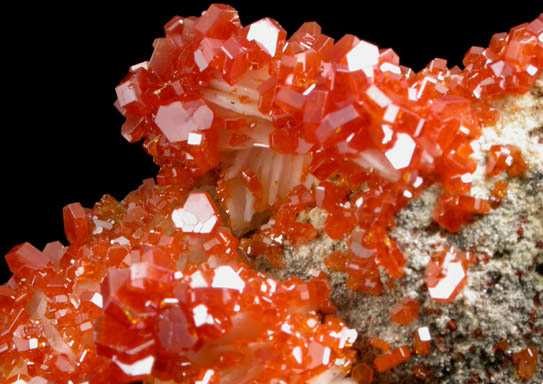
251 130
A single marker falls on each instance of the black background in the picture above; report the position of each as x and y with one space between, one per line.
60 134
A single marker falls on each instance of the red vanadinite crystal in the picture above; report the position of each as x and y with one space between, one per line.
161 308
176 314
363 273
505 158
155 285
379 344
422 341
502 346
198 214
452 210
446 274
526 361
498 193
76 225
405 312
362 373
25 261
314 98
391 359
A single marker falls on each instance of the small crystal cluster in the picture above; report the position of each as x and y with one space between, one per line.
249 129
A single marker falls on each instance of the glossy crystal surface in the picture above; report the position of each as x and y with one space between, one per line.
405 312
158 289
446 274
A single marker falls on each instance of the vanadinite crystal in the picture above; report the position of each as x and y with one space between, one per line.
505 158
249 130
446 274
422 341
526 361
391 359
405 312
158 289
362 373
379 344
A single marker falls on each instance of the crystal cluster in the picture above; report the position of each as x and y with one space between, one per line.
346 111
249 129
153 285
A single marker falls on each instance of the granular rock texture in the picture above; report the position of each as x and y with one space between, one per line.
503 298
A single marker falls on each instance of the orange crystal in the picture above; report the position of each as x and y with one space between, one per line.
417 127
198 214
526 361
76 225
405 312
140 298
502 346
454 210
391 359
498 193
25 261
363 273
282 226
380 344
422 341
446 275
362 373
505 158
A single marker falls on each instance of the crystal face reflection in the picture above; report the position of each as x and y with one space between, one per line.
198 214
266 33
178 119
226 277
445 276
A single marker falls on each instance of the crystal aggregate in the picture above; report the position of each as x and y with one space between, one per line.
250 129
